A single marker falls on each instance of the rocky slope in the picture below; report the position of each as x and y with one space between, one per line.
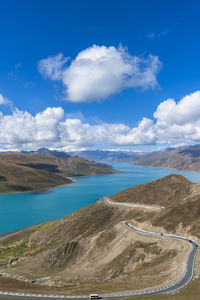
91 249
21 172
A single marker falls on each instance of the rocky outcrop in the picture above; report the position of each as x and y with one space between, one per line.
62 256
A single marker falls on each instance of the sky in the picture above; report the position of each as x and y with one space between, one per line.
99 74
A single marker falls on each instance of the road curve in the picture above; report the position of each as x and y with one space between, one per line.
189 265
151 207
190 262
178 284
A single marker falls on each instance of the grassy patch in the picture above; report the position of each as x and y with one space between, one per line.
44 226
17 249
18 246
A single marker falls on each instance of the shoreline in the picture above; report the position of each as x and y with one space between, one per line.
155 167
74 181
60 185
161 167
41 190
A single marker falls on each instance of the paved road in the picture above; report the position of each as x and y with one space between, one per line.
178 284
189 265
151 207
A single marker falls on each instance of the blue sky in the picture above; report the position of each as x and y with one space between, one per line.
34 31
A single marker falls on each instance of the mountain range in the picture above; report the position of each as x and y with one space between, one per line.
181 158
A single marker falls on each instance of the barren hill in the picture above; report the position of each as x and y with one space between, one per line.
179 196
167 191
92 249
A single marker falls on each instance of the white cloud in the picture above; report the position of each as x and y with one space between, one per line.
47 124
99 72
179 121
173 123
157 35
4 100
52 67
187 110
23 130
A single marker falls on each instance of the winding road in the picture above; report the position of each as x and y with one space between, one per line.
172 287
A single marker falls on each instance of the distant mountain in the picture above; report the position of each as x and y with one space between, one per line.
104 155
33 171
182 158
55 153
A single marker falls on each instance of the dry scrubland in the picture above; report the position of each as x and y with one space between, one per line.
91 250
33 172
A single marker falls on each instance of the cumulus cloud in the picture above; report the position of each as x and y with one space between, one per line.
187 110
23 130
179 121
173 122
99 72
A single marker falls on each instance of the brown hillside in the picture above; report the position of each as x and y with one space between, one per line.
167 191
18 178
92 250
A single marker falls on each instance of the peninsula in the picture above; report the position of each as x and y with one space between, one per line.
35 171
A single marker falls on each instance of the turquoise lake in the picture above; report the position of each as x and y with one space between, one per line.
25 209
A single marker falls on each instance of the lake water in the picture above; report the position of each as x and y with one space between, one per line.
25 209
